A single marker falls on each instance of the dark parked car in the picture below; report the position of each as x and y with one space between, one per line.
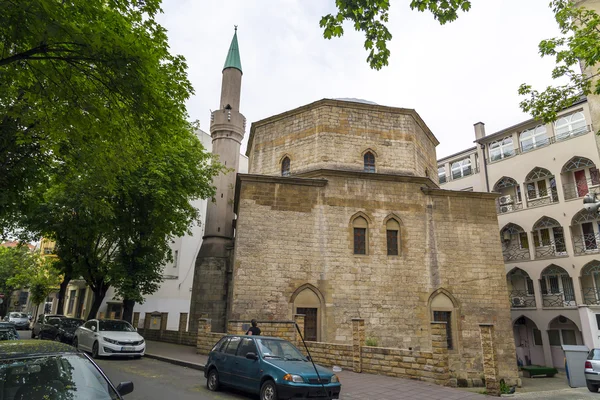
60 329
8 332
41 320
271 367
51 370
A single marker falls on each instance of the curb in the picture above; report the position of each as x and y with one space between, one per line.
181 363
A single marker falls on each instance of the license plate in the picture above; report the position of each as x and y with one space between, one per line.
127 348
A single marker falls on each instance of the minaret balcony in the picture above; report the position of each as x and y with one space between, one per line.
227 120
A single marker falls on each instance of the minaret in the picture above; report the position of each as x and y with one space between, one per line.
212 271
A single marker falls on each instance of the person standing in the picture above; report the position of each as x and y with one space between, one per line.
254 329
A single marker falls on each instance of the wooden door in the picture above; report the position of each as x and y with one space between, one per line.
310 323
581 182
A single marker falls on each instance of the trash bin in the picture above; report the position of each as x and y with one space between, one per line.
575 357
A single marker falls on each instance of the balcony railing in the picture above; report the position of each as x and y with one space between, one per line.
521 299
580 188
591 295
558 299
551 249
543 197
586 244
507 207
550 140
515 253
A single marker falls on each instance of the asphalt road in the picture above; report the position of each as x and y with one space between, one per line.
157 380
153 379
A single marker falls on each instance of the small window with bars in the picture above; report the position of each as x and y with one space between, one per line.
285 167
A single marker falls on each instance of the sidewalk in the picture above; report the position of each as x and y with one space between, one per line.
354 386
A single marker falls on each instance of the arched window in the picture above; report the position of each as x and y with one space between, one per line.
285 166
392 229
443 310
369 162
461 168
557 287
548 238
501 149
541 187
534 138
360 226
570 125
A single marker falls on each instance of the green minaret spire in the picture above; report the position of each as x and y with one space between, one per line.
233 56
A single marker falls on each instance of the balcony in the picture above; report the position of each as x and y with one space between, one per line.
543 197
514 252
521 299
507 204
559 299
591 295
575 190
551 249
586 244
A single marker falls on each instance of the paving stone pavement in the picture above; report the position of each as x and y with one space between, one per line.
354 386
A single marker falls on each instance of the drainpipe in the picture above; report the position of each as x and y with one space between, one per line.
480 134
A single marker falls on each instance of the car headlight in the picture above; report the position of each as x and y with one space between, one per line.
335 379
110 341
293 378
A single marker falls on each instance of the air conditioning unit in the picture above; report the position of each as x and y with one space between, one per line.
505 209
518 302
506 199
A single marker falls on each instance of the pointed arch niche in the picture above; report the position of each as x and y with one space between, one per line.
443 307
309 301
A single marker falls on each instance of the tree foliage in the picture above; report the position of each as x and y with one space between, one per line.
371 17
12 261
81 75
579 43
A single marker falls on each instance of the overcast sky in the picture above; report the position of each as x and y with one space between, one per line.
453 75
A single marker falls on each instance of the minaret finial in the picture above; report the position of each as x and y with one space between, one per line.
235 27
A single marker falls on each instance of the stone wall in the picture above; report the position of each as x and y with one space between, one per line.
335 134
297 232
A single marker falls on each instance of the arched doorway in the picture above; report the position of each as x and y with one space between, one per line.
562 331
308 300
528 342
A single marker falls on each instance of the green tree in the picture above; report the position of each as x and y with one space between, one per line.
153 206
12 261
371 17
37 273
579 43
81 75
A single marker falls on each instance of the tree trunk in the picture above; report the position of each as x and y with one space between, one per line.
128 310
61 294
99 294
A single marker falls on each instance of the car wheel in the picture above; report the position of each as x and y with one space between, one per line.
268 391
212 383
95 350
591 387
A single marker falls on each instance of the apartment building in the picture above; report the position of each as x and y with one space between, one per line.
551 245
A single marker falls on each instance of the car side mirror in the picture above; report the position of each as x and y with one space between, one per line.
251 356
125 388
94 328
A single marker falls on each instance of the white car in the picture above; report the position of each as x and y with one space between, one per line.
19 319
109 337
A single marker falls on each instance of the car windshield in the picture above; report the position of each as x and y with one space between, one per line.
68 377
116 326
71 323
18 315
8 334
273 348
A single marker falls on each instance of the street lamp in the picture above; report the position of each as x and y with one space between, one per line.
591 202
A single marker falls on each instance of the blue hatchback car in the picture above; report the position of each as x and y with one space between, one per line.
271 367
